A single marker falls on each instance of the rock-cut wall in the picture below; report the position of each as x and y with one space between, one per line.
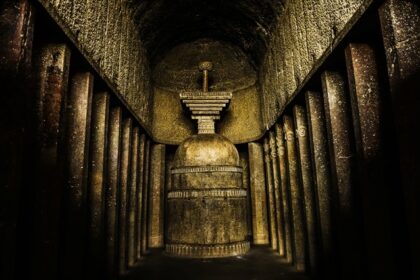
106 35
306 31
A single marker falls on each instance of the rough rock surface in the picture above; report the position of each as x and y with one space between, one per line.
104 31
305 32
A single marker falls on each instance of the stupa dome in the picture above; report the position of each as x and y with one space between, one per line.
206 149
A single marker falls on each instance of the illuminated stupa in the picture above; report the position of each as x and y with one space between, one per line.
206 215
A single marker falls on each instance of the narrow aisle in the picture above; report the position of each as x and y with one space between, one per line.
261 263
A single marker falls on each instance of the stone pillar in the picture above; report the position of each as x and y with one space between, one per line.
132 199
169 163
296 197
95 191
125 168
50 109
285 196
16 25
305 165
156 196
146 200
321 177
400 22
244 163
338 117
258 194
111 191
76 149
270 195
140 196
277 197
368 122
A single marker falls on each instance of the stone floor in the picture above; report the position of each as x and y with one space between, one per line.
259 264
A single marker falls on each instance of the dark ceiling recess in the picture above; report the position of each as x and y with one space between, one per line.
245 23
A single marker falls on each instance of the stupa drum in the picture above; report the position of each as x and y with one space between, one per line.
206 203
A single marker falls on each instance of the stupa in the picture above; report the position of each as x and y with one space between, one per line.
207 208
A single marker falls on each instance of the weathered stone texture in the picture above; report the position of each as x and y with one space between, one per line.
284 192
296 196
52 64
156 196
368 114
306 31
258 194
277 196
96 181
321 171
112 188
75 162
400 24
342 160
125 177
114 49
306 180
270 195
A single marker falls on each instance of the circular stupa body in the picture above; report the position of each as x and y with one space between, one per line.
206 202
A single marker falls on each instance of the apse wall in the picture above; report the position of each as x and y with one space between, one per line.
114 49
305 33
178 71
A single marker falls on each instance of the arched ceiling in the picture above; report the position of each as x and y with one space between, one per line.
164 24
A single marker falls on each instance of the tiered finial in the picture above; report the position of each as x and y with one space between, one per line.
206 106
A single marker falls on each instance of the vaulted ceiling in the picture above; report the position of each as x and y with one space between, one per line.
166 23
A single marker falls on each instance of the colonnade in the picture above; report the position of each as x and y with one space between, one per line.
79 190
335 162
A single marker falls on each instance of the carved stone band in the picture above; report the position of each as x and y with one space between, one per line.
186 194
207 251
203 169
207 95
